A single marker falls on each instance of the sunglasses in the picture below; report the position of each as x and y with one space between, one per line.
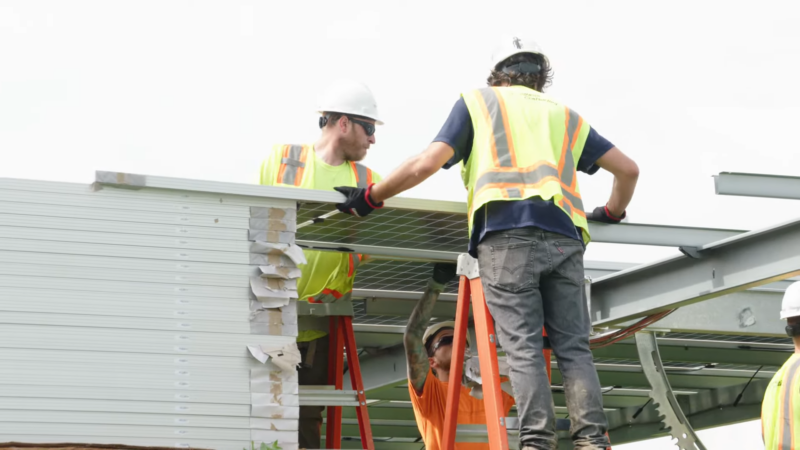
445 340
369 128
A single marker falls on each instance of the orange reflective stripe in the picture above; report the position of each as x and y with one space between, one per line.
352 266
302 169
494 113
504 116
293 165
362 173
282 169
566 166
786 439
526 176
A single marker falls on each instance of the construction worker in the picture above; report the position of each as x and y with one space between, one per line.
780 410
428 354
349 115
520 150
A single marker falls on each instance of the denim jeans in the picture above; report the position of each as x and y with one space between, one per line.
532 278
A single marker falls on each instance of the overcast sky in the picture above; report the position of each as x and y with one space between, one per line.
200 89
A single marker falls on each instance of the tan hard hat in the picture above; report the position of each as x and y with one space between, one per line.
433 329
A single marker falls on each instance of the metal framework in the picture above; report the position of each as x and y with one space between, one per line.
728 285
757 185
731 265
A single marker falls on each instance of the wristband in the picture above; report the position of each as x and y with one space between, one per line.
608 213
369 200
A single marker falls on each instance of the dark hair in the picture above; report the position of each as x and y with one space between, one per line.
329 119
536 81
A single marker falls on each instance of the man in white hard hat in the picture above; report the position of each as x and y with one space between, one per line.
348 118
428 354
780 410
520 151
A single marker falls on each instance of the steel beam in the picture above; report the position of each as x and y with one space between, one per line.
746 312
724 267
624 233
757 185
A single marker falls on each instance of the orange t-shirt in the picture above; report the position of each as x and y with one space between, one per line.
429 411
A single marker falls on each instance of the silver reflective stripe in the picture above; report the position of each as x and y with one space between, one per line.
786 426
567 209
330 298
361 172
532 177
514 193
576 201
568 171
292 162
290 173
498 129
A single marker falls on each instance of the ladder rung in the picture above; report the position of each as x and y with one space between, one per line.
478 433
326 396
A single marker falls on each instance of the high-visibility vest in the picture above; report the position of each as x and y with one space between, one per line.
328 276
525 145
780 409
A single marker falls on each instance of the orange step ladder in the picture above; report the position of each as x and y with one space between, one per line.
343 340
470 290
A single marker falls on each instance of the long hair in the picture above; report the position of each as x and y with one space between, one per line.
537 81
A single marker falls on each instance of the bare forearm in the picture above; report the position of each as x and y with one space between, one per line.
621 194
416 354
411 173
626 173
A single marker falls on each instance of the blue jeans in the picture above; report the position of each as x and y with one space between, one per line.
533 278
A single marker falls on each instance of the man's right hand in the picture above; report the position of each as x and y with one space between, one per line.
443 273
602 214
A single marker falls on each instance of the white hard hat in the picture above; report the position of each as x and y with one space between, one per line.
433 329
350 97
790 307
510 46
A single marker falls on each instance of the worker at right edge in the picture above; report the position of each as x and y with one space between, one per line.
520 151
780 410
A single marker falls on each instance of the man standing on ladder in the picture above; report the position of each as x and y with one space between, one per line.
428 353
520 150
349 116
780 410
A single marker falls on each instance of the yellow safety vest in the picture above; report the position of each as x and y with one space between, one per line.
780 410
525 145
327 276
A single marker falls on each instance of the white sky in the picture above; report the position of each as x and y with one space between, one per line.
202 90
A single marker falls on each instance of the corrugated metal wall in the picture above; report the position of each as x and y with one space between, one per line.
146 317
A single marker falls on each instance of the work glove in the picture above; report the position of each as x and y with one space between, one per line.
358 201
601 214
444 273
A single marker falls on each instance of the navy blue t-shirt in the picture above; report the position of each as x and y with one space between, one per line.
457 132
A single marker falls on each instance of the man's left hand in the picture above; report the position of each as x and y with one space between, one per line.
358 202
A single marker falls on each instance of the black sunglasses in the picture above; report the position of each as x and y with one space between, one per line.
445 340
369 128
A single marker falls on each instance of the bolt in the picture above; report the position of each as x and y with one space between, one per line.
491 338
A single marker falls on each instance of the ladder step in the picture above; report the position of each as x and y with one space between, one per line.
478 433
326 396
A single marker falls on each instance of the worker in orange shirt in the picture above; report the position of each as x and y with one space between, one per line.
428 353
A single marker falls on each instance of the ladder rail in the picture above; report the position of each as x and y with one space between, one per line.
456 364
487 354
354 366
333 426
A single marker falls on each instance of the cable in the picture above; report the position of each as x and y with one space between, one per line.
739 397
604 341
